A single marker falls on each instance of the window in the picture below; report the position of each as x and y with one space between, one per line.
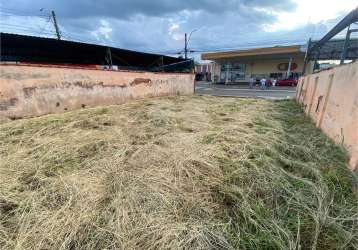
295 75
232 72
276 75
223 76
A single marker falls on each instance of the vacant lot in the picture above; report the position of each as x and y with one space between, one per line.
175 173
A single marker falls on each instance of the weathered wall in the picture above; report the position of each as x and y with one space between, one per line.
331 98
27 91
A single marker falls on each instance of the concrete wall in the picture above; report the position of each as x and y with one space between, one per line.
27 91
331 98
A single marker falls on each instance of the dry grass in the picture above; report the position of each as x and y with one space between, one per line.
175 173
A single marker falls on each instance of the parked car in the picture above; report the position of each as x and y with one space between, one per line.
287 82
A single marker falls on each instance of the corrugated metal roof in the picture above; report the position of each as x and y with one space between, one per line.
32 49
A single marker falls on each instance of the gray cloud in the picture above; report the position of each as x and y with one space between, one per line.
271 4
122 9
159 26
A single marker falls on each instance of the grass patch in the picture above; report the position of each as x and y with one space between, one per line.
175 173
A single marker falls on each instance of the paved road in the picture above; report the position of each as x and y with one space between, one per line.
206 88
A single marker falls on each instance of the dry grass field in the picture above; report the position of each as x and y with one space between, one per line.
175 173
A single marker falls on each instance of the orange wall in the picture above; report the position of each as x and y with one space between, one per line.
331 98
27 91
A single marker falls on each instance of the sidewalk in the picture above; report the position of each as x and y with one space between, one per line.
242 87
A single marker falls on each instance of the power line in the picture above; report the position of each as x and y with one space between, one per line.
248 44
15 25
70 36
23 26
20 11
259 43
298 34
45 25
20 28
23 15
41 12
41 31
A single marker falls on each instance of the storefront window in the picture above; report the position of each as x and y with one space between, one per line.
277 76
232 72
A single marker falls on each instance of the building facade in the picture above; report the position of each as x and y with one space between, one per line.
281 62
203 71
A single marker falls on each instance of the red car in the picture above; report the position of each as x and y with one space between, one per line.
287 82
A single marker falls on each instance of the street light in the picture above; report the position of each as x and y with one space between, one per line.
187 42
191 34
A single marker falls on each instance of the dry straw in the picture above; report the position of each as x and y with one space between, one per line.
175 173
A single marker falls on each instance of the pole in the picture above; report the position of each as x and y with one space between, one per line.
307 55
289 68
344 52
109 54
186 47
162 62
318 55
58 34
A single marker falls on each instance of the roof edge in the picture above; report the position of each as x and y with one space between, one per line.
253 52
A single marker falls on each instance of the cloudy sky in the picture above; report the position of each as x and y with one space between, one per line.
159 25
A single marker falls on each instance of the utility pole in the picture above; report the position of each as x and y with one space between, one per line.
109 58
307 56
186 47
187 40
289 68
58 34
162 62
